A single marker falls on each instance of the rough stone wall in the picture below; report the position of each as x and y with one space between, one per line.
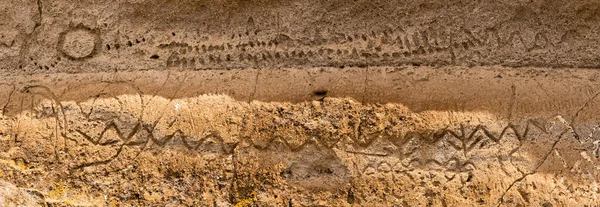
299 103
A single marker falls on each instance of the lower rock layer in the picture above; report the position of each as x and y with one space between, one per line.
127 139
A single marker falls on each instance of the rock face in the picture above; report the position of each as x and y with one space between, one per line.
299 103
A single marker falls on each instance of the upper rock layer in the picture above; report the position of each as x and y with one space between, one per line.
77 36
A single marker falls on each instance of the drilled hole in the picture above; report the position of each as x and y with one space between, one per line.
320 92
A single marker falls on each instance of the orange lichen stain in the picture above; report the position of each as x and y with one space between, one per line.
59 191
21 165
247 202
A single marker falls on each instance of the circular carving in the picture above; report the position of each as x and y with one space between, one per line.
78 43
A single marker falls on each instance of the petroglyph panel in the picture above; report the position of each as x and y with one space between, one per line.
299 103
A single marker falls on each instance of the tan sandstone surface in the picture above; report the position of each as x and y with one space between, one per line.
299 103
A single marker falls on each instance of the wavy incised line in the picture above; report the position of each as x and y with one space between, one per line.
436 136
390 46
113 126
459 140
468 141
